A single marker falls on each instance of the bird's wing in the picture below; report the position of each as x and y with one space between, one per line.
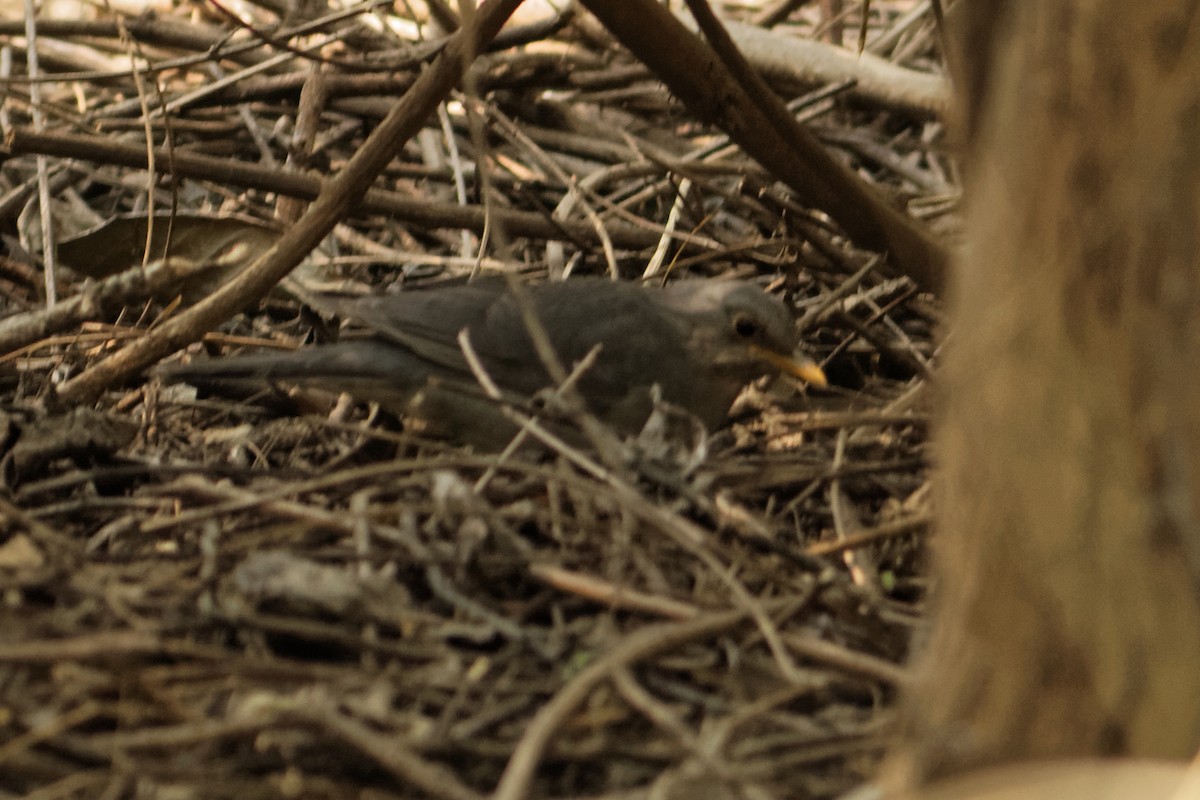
428 321
641 340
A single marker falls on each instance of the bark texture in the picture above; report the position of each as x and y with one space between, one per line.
1069 607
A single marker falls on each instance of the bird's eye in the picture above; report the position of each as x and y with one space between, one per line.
745 327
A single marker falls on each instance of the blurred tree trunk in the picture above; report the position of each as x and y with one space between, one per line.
1068 612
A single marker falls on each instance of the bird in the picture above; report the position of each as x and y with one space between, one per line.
695 343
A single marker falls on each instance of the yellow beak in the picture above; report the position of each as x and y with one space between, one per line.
797 365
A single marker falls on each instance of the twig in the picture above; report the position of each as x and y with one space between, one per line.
101 300
45 212
603 591
426 213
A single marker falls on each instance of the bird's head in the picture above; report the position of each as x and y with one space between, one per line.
748 333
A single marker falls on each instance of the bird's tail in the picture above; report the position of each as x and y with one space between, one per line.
332 364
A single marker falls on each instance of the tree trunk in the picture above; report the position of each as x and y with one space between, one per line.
1068 612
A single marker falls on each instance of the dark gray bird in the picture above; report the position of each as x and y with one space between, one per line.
700 341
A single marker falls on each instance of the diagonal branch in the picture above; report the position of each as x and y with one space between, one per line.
339 194
759 123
